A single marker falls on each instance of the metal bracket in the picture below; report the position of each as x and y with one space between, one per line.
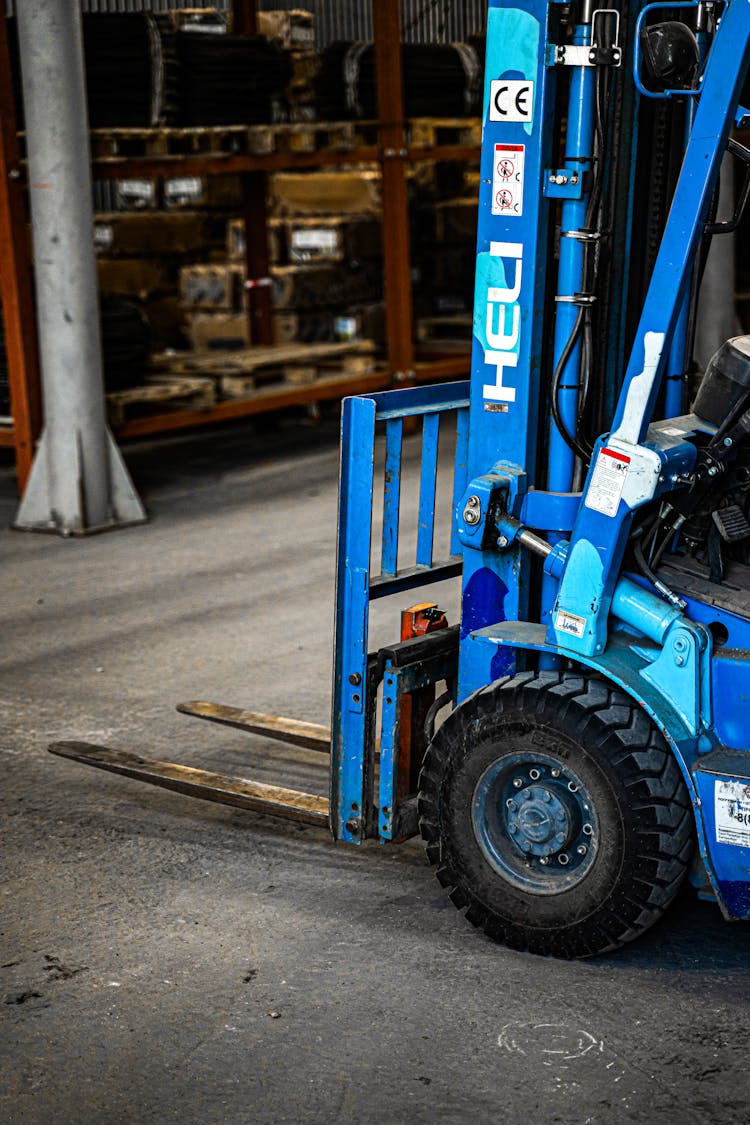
561 183
591 54
474 523
581 299
486 496
567 55
681 674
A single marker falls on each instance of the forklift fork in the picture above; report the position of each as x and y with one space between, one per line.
372 785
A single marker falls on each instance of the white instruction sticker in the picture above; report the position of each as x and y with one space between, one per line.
570 623
732 813
507 180
607 482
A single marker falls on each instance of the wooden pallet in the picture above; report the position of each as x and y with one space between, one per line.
225 140
246 373
187 392
310 136
134 142
429 132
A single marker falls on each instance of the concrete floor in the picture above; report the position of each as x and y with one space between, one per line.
145 937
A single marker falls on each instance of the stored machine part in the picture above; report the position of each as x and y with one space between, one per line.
577 745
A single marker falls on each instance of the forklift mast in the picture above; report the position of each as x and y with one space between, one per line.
598 679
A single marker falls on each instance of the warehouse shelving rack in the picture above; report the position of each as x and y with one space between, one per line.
391 151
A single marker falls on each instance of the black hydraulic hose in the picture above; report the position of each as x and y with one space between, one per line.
565 433
648 573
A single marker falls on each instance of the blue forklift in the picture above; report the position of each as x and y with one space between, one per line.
577 745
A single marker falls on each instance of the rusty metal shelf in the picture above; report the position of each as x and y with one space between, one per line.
388 143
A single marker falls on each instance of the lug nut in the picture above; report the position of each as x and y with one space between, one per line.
544 860
511 804
517 782
555 773
582 849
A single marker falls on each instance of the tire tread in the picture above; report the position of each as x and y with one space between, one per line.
590 709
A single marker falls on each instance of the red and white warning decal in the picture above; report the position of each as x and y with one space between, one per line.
507 180
608 481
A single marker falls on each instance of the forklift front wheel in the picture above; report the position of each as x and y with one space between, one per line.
556 814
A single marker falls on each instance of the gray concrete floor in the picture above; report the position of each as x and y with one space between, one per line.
145 937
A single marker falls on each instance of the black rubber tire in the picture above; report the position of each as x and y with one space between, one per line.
644 812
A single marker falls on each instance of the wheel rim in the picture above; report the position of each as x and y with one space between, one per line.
535 823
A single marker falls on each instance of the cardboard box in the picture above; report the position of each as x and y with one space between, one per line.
235 240
197 192
137 234
313 240
324 286
212 286
335 239
209 20
218 331
325 193
315 327
292 30
136 195
132 277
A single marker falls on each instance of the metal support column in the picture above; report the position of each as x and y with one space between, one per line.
396 253
78 481
16 286
255 215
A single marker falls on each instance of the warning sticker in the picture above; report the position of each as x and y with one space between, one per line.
507 180
608 481
570 623
732 813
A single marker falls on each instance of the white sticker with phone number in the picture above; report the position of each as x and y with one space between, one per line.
732 813
608 481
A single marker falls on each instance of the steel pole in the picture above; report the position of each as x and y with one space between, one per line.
78 481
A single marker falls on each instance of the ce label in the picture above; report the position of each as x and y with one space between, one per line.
512 99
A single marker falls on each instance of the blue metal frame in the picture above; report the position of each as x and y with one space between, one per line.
352 746
598 540
662 655
509 345
668 665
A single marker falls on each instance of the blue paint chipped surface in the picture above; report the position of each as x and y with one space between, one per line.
484 600
512 50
